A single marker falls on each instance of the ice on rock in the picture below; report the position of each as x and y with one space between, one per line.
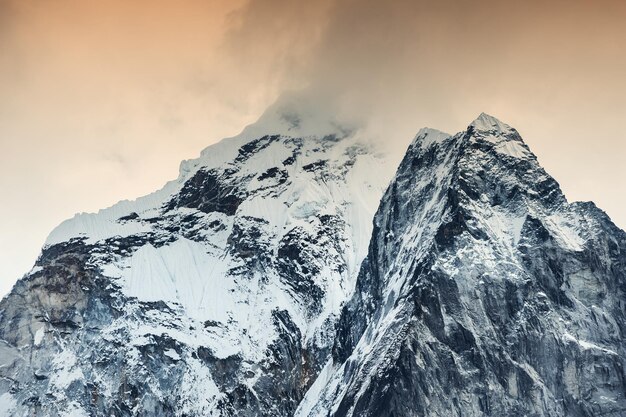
219 284
289 117
171 353
479 273
487 123
427 136
8 404
276 276
39 334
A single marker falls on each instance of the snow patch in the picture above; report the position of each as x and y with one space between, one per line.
487 123
587 345
39 334
7 405
66 370
35 269
427 136
564 231
182 273
513 148
172 354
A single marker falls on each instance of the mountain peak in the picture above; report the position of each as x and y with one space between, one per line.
297 116
475 256
488 123
427 136
475 289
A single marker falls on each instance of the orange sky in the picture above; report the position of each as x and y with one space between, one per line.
100 101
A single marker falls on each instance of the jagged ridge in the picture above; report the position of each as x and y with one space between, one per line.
216 295
483 293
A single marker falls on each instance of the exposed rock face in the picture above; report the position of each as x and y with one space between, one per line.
484 293
247 288
217 295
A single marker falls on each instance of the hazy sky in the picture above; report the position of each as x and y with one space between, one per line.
101 100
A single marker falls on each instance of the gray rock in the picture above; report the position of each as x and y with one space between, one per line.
484 293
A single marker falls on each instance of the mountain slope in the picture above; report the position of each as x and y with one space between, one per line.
483 293
216 295
256 284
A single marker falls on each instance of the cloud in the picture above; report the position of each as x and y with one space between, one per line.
155 81
552 69
415 62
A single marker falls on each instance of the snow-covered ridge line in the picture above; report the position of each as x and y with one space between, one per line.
241 287
241 265
488 123
427 136
479 273
289 119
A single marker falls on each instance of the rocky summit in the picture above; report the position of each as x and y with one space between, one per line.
289 272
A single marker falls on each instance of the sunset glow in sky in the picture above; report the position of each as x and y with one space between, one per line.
101 100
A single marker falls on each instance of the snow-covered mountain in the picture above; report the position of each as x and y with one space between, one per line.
217 295
484 293
264 282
